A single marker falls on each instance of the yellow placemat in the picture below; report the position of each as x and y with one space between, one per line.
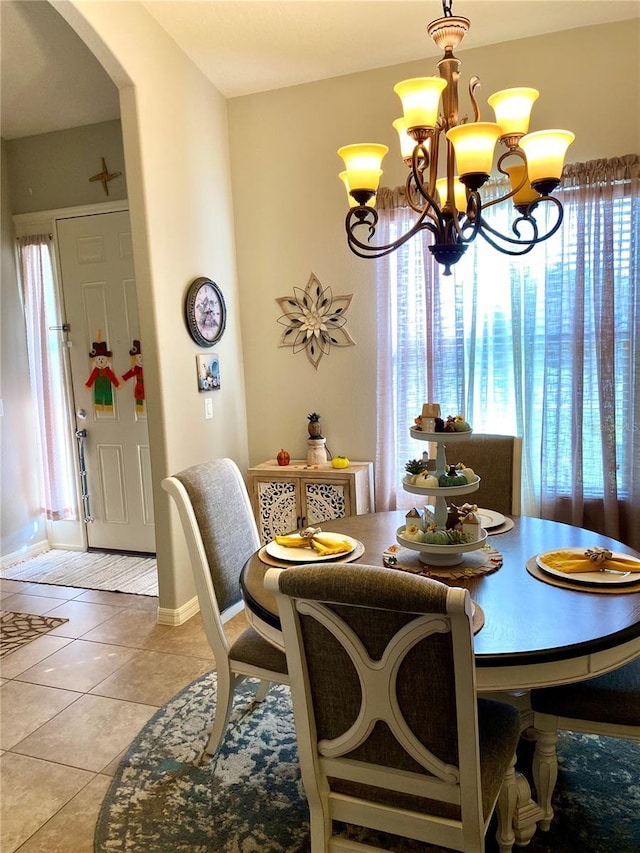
601 589
268 560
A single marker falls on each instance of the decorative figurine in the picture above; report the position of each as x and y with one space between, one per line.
317 452
136 372
102 377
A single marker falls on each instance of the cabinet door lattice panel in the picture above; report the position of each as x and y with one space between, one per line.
278 508
324 501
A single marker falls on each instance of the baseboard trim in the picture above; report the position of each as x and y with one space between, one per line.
25 554
169 616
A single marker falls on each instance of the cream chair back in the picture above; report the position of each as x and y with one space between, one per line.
497 459
389 729
221 535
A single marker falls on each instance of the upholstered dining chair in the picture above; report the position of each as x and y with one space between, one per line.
391 735
606 705
221 535
497 459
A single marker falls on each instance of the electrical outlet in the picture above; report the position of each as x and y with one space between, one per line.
208 408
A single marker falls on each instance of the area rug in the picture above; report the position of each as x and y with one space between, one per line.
88 570
18 629
167 797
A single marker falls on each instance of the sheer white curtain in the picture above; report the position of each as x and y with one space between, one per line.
48 389
543 346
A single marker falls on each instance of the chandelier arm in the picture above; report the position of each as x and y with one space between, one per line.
525 244
512 152
524 249
474 83
366 250
416 180
467 230
413 188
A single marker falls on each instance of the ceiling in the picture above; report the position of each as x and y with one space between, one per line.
51 81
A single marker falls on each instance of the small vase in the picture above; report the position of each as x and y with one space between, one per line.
317 452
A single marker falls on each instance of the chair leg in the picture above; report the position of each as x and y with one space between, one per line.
545 767
227 683
505 810
263 689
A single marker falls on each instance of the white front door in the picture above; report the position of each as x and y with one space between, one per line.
99 291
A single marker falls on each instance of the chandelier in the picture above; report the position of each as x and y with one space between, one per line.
434 137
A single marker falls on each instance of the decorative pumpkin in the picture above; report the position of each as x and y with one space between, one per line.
413 533
283 458
426 480
436 536
340 462
452 478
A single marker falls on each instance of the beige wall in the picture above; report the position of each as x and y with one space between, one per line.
52 170
290 207
174 126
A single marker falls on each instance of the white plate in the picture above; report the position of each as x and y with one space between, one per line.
489 518
308 555
593 578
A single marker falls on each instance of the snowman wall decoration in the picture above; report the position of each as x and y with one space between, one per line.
102 377
136 372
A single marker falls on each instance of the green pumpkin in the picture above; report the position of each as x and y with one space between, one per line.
452 480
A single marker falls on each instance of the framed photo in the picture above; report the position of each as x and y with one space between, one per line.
208 372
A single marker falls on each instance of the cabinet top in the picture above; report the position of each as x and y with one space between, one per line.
301 466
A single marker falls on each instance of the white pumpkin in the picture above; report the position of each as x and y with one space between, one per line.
469 474
426 480
413 533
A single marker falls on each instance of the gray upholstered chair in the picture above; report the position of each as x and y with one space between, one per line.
606 705
497 459
221 535
390 732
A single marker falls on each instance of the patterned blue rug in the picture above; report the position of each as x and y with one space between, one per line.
167 798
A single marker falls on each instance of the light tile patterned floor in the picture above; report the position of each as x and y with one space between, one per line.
72 701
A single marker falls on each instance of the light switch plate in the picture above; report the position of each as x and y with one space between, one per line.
208 408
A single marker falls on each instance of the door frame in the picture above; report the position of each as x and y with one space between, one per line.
69 535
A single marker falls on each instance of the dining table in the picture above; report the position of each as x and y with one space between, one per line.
533 627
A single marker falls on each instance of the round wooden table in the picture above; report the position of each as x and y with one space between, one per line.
534 634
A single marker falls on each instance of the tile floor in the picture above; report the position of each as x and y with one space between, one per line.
72 701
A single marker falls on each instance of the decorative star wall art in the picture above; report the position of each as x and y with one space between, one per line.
314 320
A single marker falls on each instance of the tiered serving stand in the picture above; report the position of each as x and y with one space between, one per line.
440 555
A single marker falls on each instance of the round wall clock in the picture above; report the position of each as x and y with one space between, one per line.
205 312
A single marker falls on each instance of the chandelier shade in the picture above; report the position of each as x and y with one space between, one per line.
513 109
474 144
523 192
362 165
459 193
420 99
545 151
407 143
450 157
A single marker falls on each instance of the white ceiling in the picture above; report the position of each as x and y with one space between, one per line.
51 81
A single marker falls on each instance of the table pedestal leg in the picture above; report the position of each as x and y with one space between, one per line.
527 813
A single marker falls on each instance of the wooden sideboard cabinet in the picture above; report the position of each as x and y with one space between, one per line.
288 497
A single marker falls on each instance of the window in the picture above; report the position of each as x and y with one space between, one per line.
46 368
543 345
